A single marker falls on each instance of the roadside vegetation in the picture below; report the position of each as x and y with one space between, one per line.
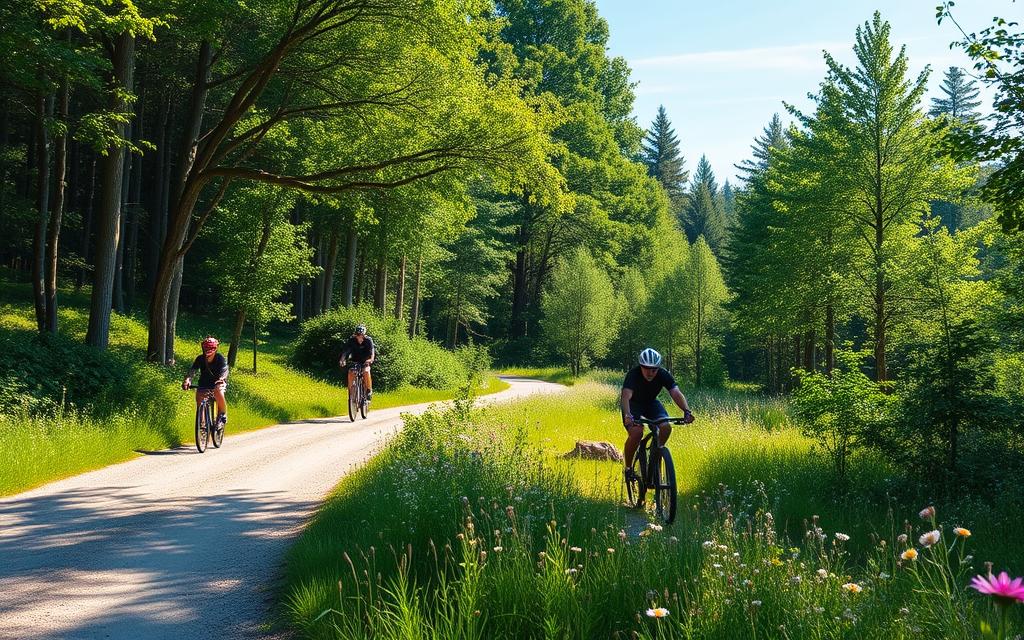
470 526
66 408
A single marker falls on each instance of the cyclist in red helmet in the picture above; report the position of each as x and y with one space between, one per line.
213 374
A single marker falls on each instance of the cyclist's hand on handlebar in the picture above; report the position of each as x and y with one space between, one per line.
628 422
688 417
185 386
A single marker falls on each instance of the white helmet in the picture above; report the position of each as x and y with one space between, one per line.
650 358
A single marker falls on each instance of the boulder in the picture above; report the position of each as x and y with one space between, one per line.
590 450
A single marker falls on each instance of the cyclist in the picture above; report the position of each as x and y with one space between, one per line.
640 399
360 347
213 374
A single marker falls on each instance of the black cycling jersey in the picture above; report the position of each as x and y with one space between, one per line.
643 391
210 372
359 352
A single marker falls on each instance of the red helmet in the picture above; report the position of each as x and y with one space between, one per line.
210 341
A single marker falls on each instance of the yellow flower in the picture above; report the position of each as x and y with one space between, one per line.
657 612
909 554
963 533
776 562
853 587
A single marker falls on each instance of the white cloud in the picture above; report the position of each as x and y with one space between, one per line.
801 57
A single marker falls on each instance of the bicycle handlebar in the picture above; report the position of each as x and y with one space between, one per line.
672 420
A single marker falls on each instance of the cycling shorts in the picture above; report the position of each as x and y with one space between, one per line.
652 410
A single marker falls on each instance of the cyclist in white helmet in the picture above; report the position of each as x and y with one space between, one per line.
640 399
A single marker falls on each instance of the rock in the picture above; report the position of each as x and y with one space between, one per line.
590 450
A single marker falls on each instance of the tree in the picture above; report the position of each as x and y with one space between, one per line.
259 252
728 204
998 54
704 215
885 165
708 293
665 163
579 307
960 98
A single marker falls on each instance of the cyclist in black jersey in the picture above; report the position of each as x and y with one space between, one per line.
639 399
213 374
360 347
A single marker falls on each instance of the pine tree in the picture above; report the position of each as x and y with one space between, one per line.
729 203
660 152
704 215
774 137
960 99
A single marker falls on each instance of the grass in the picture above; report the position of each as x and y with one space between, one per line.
470 526
42 448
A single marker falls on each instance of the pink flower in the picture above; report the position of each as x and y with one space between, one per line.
927 513
1004 590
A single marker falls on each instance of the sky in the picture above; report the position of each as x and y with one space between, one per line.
721 69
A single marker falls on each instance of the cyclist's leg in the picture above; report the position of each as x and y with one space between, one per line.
633 437
199 395
367 380
222 405
351 376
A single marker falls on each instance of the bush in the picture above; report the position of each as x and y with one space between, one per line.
321 339
400 361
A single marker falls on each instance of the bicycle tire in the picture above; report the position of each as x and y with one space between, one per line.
201 429
353 400
362 400
217 433
636 490
666 492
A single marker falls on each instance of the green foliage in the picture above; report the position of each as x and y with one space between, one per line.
660 152
842 411
704 215
579 313
959 101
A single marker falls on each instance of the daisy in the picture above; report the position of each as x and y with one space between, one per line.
657 612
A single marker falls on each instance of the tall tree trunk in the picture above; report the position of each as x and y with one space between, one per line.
400 295
109 217
361 281
162 310
59 195
236 337
136 209
157 226
413 326
118 301
44 107
517 328
332 260
318 281
380 291
830 338
809 340
351 248
171 319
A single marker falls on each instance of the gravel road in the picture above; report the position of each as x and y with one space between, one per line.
177 544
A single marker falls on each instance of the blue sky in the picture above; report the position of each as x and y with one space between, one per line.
723 68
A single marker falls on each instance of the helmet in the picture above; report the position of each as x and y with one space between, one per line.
209 341
650 358
361 330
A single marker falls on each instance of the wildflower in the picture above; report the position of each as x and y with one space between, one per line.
673 539
755 603
748 583
902 538
655 527
571 571
716 566
657 612
927 513
883 576
499 549
930 538
819 609
622 535
842 537
853 587
963 533
1004 590
575 549
776 562
708 544
796 580
904 611
909 554
822 573
723 548
645 532
460 536
610 550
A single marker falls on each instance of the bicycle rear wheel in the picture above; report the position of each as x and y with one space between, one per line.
665 487
202 425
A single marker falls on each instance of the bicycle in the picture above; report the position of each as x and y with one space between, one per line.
653 469
357 393
204 420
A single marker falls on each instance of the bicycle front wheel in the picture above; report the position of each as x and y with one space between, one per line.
353 401
362 401
665 487
636 487
202 426
217 433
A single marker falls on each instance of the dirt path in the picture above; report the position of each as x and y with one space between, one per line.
178 544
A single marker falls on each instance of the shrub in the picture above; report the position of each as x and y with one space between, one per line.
321 339
436 367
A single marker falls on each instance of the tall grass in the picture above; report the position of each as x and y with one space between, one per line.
469 526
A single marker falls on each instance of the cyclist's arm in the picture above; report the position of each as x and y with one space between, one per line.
344 356
223 378
679 399
627 395
186 382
